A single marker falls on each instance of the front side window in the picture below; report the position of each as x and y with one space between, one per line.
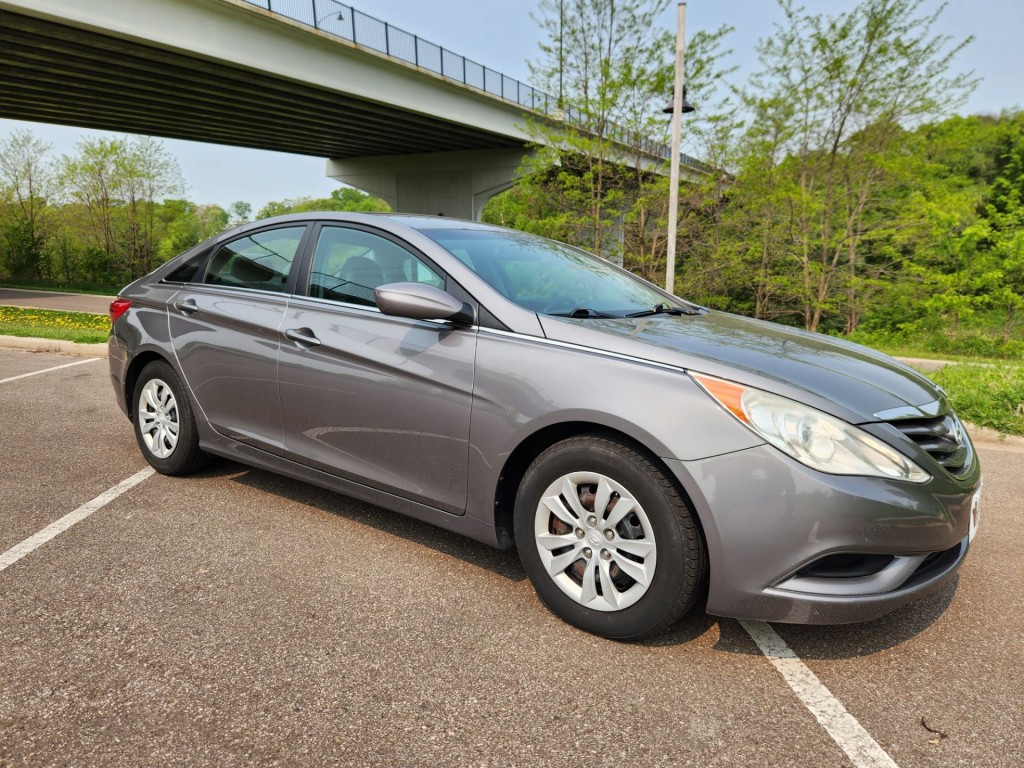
260 261
349 264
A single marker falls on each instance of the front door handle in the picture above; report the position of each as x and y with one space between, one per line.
186 307
304 336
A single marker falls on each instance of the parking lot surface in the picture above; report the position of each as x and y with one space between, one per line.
239 618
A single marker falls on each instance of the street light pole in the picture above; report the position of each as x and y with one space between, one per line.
561 55
673 192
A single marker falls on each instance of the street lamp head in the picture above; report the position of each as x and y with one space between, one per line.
334 15
685 109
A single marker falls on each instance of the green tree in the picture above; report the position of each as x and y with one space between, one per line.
958 232
827 111
148 173
608 61
115 187
240 211
1003 212
27 184
598 178
186 224
341 199
90 181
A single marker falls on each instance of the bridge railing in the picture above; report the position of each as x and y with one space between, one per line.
344 21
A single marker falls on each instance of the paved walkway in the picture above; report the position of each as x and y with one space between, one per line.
67 302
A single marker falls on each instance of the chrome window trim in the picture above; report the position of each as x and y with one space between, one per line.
211 287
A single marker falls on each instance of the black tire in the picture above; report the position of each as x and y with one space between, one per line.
664 525
165 427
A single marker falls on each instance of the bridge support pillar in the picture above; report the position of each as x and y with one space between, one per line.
456 184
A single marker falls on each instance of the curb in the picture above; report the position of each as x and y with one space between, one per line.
986 436
57 346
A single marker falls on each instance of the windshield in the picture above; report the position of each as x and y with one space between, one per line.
548 277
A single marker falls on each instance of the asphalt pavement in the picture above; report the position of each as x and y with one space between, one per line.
239 618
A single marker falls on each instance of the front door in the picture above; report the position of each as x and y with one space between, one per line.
384 401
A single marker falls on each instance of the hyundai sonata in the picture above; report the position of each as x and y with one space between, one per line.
643 453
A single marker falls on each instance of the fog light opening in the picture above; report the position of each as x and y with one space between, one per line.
846 565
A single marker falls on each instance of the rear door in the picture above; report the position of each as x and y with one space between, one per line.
225 333
381 400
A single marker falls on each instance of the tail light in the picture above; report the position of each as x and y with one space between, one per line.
118 307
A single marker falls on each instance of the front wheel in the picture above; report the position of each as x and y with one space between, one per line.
607 540
165 428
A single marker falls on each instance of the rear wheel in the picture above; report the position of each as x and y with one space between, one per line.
607 540
165 428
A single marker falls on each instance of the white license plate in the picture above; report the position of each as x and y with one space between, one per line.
975 513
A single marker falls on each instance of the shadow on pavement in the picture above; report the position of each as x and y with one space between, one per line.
849 640
845 641
503 563
809 642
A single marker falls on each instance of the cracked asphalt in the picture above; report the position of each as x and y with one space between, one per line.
239 618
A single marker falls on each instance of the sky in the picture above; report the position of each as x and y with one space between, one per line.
503 36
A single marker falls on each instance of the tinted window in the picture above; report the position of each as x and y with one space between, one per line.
546 276
260 261
186 271
349 264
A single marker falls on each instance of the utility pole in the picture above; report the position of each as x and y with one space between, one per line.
561 54
673 192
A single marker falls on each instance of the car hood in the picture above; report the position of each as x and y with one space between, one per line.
845 379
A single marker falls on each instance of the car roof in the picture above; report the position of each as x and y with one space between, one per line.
411 220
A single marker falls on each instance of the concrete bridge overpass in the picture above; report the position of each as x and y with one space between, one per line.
394 115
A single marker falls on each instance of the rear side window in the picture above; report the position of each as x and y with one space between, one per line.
259 261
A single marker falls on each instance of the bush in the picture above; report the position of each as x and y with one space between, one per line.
987 395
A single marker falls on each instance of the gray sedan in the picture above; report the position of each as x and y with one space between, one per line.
643 454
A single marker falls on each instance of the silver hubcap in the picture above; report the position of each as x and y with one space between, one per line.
158 418
595 541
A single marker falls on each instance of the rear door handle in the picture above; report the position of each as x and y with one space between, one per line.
188 306
303 336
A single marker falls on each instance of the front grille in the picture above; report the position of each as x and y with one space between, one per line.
941 437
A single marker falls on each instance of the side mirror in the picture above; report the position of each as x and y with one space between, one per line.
422 302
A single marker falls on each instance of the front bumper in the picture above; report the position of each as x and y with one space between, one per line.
769 522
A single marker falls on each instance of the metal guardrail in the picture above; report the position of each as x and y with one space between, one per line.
343 21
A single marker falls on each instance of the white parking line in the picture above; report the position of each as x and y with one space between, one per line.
18 551
863 751
47 370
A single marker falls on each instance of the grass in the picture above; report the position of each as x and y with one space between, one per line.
48 324
970 345
987 395
925 354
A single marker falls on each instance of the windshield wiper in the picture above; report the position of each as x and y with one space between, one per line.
583 312
665 309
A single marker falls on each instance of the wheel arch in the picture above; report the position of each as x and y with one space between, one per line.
131 376
519 460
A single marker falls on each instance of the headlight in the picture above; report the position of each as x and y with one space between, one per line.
810 436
